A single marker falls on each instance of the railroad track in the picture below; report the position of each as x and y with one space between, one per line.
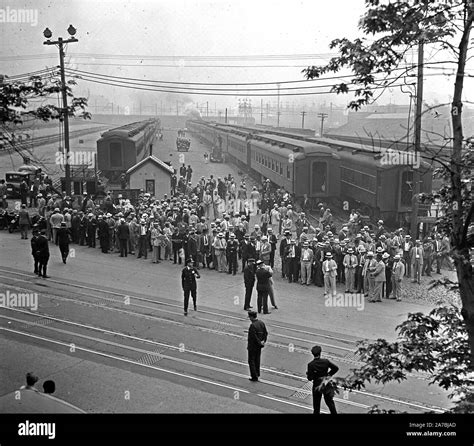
281 383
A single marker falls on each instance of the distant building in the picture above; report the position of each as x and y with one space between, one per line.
152 175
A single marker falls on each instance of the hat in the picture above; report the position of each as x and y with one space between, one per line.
417 241
220 234
370 254
350 250
269 230
379 250
397 257
246 236
232 235
407 236
329 233
264 237
259 262
316 350
328 254
251 260
292 241
305 244
40 195
190 260
381 222
91 215
385 255
362 248
252 314
287 231
56 210
345 228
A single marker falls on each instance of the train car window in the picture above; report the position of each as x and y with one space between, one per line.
319 177
288 175
116 154
406 189
281 169
273 165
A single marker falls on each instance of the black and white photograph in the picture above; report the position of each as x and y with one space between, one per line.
202 202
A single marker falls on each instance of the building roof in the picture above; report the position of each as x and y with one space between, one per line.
154 160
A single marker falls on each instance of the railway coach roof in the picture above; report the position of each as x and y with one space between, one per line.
131 131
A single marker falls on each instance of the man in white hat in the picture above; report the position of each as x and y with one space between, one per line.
398 271
368 270
416 259
56 219
232 250
379 279
265 250
329 271
220 246
307 255
350 263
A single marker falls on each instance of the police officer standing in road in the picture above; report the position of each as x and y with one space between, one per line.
318 370
188 281
257 337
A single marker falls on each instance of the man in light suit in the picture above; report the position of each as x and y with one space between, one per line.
379 279
416 260
306 260
329 271
398 271
350 263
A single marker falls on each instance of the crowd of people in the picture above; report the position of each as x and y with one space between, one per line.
210 224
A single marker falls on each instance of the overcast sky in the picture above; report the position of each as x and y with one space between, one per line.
163 38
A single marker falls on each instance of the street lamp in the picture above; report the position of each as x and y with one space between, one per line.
60 44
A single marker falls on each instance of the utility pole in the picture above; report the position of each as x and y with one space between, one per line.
207 109
323 116
416 173
261 111
60 43
302 119
278 106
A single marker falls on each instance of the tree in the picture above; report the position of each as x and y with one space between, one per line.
16 97
436 343
400 26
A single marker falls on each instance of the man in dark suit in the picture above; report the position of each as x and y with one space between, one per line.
249 282
318 369
263 287
257 337
34 249
123 235
188 282
283 244
42 253
63 241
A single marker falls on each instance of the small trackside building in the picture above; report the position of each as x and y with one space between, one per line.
152 175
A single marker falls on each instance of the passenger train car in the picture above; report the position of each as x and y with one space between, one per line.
121 148
324 169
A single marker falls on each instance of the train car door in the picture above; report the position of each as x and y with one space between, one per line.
249 154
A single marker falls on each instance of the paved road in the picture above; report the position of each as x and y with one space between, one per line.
148 338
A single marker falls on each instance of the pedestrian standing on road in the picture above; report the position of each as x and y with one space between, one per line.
249 282
257 337
63 241
34 250
398 271
263 287
318 370
24 221
188 282
329 270
42 252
